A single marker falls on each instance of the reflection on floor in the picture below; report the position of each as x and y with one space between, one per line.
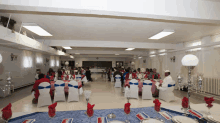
104 96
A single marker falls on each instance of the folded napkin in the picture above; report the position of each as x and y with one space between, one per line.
51 78
195 113
157 105
67 77
69 120
100 120
73 76
127 85
90 109
29 121
165 115
209 101
52 110
6 112
127 108
140 116
185 102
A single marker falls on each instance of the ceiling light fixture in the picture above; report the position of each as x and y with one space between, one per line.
152 52
162 54
130 48
33 27
163 50
152 55
195 49
139 57
162 34
116 54
67 47
77 53
71 57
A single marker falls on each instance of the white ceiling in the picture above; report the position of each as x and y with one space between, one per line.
110 29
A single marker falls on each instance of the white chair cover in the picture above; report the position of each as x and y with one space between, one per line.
44 97
70 77
32 94
134 88
167 94
112 77
73 91
78 77
59 94
85 79
125 90
118 81
146 90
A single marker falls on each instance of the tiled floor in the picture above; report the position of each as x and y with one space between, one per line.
104 96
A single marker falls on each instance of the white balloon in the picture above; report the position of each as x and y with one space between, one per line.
66 63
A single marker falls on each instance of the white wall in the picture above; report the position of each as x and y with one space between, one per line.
24 68
209 60
80 60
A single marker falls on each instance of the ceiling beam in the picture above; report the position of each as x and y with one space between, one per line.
102 56
111 44
107 52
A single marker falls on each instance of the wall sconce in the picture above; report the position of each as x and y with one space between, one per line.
13 57
47 60
173 59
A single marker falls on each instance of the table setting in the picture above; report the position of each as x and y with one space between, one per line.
154 114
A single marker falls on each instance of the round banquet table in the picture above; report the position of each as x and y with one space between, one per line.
80 117
155 83
66 88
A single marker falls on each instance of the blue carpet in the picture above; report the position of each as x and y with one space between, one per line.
80 116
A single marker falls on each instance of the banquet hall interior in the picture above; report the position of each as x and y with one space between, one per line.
137 61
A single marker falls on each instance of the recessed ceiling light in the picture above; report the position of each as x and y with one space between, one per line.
130 48
71 57
67 47
152 55
139 57
162 54
163 50
116 54
152 52
33 27
162 34
77 53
